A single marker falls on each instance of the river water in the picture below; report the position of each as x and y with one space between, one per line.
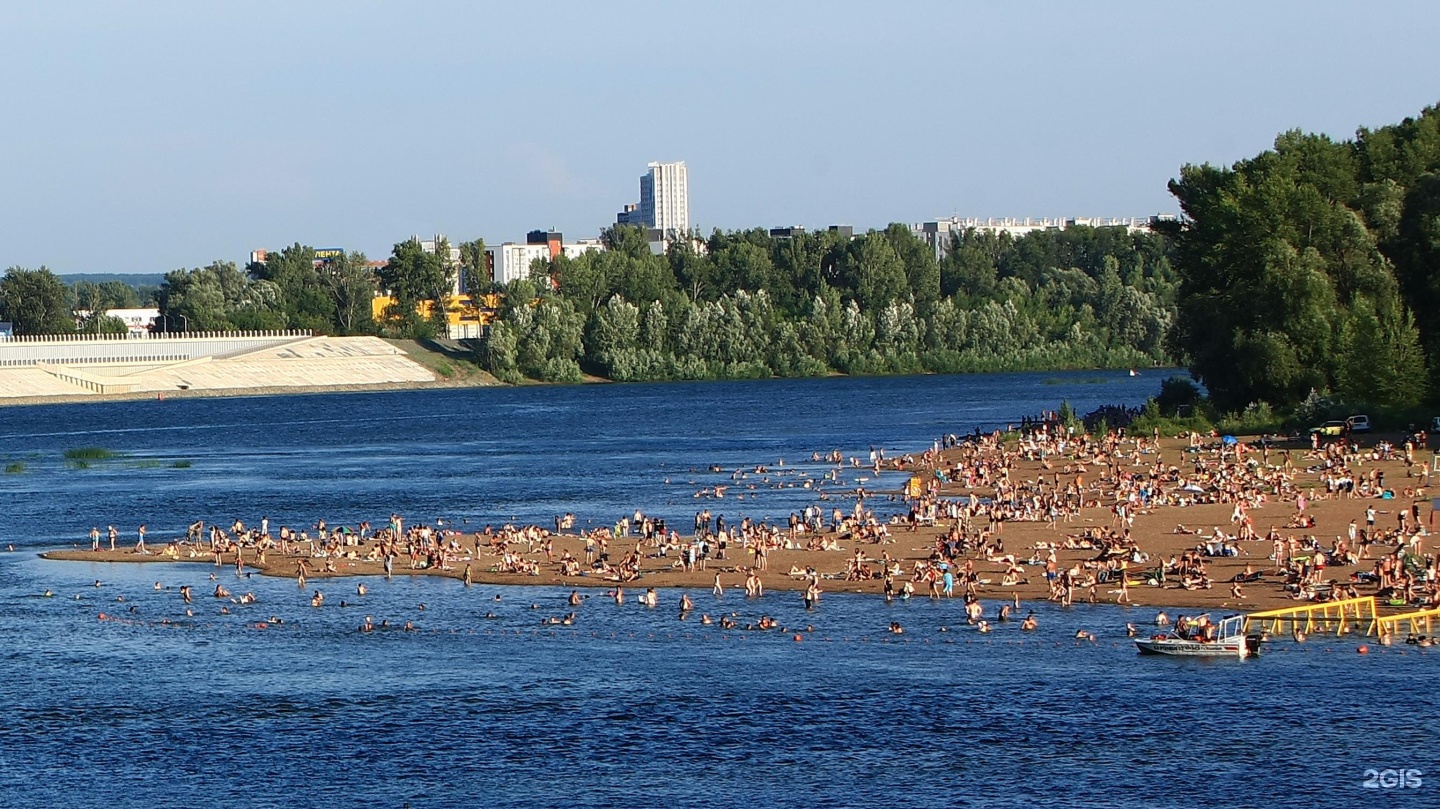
483 705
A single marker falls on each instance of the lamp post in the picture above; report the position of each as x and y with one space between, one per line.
184 323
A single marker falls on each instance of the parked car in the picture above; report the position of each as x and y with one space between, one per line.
1331 428
1435 425
1359 424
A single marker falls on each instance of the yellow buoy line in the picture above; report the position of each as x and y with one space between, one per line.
1341 617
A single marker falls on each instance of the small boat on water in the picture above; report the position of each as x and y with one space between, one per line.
1203 639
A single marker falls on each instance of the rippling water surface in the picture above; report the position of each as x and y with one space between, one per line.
630 705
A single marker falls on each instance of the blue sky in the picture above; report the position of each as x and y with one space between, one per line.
146 137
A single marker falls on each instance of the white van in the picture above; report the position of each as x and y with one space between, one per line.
1358 424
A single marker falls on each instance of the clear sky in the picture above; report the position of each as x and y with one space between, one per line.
143 137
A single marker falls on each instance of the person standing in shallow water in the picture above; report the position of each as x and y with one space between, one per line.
466 576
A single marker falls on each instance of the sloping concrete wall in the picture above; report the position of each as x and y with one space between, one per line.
288 362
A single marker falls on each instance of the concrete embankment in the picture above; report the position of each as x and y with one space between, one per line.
55 371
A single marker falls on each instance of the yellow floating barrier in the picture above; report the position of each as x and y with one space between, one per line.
1420 622
1326 615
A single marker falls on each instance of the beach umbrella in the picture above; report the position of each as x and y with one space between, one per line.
1229 439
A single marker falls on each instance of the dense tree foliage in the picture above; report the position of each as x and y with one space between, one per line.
749 305
36 302
350 283
40 302
219 297
475 272
740 304
413 275
1312 266
289 290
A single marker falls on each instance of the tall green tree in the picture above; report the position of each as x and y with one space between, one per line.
970 266
413 275
119 295
36 302
922 271
743 265
305 299
878 272
475 271
350 284
1284 286
219 297
89 306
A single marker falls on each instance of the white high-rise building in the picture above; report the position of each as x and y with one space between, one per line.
665 198
511 261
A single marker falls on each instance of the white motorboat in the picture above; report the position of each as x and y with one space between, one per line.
1228 640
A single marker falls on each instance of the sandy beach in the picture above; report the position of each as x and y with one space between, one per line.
1154 531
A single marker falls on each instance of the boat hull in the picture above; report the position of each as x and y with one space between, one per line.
1176 647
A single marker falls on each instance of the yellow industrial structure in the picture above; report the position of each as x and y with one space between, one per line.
466 315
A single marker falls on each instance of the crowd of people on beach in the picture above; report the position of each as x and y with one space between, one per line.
963 492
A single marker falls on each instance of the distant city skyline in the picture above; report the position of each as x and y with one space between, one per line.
165 135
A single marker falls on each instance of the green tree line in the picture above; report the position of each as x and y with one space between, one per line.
1311 270
288 290
746 305
40 302
751 305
